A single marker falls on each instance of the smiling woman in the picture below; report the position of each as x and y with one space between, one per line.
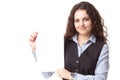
86 52
83 24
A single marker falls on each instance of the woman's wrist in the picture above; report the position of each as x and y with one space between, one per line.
34 54
33 50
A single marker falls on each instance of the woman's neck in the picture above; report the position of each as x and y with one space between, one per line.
83 38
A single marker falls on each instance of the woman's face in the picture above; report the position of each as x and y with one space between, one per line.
82 22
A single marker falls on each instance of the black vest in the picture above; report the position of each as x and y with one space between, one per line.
86 63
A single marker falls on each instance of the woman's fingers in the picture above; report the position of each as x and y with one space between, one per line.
33 36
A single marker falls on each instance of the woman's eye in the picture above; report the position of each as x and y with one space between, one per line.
86 19
77 20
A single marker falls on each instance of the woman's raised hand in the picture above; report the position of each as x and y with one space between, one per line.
32 41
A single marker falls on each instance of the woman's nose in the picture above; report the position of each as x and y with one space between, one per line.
81 23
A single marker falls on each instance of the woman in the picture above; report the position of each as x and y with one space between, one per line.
86 52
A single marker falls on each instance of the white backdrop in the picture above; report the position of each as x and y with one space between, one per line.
19 18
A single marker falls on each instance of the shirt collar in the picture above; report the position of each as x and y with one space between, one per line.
91 39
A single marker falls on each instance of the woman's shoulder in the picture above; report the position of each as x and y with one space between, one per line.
68 41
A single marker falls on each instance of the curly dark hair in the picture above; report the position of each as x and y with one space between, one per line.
97 21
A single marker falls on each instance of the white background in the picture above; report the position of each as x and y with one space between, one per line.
19 18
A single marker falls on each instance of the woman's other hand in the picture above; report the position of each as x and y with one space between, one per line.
63 73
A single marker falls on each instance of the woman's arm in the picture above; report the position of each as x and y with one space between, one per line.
32 42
